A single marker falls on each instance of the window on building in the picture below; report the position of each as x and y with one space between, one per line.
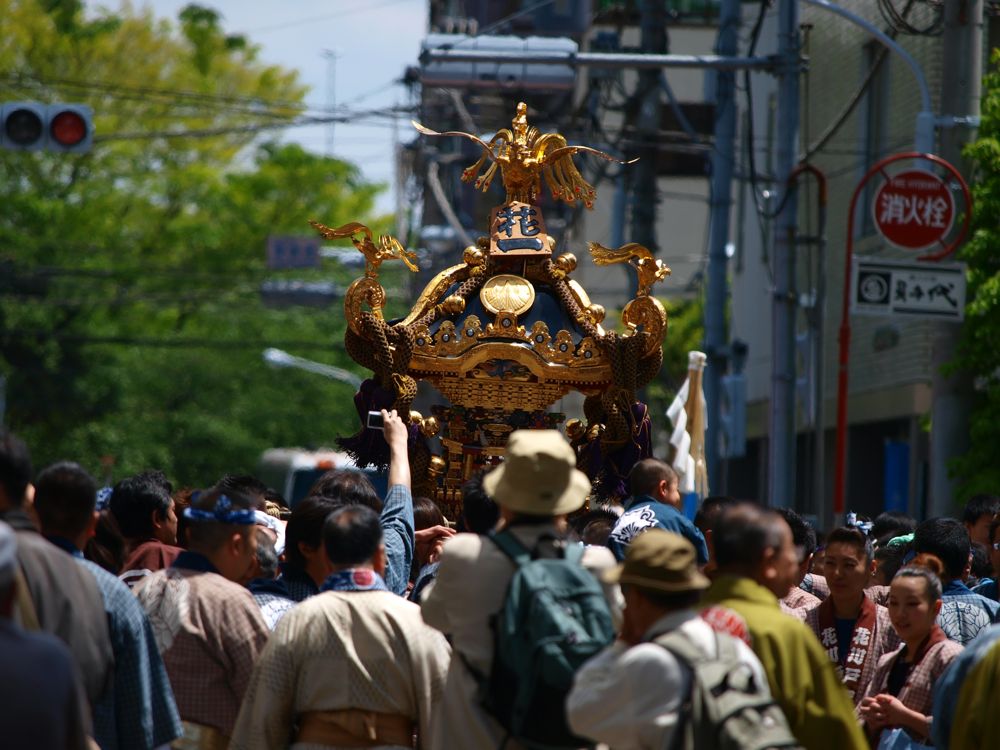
874 120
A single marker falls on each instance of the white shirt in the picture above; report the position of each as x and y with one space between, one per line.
630 697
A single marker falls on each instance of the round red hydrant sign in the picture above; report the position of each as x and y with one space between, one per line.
914 209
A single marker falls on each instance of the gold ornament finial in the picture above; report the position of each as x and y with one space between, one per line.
648 269
524 156
388 247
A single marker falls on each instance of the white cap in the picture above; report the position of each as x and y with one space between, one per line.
8 554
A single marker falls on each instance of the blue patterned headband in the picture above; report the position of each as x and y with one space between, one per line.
223 512
104 497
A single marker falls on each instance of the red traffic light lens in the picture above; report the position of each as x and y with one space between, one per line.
23 127
68 128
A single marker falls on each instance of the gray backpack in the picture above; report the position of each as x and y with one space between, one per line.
726 708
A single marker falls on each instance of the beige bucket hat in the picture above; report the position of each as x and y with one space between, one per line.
538 476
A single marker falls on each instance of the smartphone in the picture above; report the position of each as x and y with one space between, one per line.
375 421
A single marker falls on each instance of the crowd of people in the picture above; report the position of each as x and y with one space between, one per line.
137 616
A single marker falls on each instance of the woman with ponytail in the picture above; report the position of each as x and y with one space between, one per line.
900 694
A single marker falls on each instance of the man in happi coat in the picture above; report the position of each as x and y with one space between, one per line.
797 600
854 630
55 594
355 665
306 567
757 565
146 515
42 697
955 695
964 614
208 627
655 504
139 712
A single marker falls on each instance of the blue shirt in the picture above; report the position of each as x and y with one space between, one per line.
988 588
643 513
949 684
425 577
397 531
139 710
964 615
397 535
43 702
299 585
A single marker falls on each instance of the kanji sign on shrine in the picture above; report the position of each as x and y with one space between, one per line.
911 290
914 210
518 229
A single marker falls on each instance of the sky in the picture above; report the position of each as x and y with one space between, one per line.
373 42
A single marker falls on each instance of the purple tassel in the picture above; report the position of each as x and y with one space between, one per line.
368 447
609 473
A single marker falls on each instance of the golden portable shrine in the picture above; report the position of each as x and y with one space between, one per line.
506 333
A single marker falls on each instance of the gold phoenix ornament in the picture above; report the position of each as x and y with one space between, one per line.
525 155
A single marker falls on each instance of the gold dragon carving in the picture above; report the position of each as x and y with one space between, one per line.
367 290
645 313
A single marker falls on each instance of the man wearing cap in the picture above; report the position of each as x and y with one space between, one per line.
208 627
631 694
353 666
535 487
43 701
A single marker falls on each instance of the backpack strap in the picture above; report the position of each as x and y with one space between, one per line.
520 555
511 546
681 646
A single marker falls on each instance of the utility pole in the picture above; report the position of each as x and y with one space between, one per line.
648 122
781 453
961 88
723 156
330 55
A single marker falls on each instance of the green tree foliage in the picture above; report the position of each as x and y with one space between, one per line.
980 343
131 327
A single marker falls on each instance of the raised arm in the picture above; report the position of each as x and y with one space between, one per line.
396 436
397 510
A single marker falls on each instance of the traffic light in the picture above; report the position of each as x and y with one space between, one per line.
31 126
70 128
23 126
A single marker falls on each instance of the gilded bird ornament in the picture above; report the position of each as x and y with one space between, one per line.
524 157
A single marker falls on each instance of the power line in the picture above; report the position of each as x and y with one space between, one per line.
171 343
316 19
256 104
349 118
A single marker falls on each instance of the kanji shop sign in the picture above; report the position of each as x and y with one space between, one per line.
518 229
914 209
911 290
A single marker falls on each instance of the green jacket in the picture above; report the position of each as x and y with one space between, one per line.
802 677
